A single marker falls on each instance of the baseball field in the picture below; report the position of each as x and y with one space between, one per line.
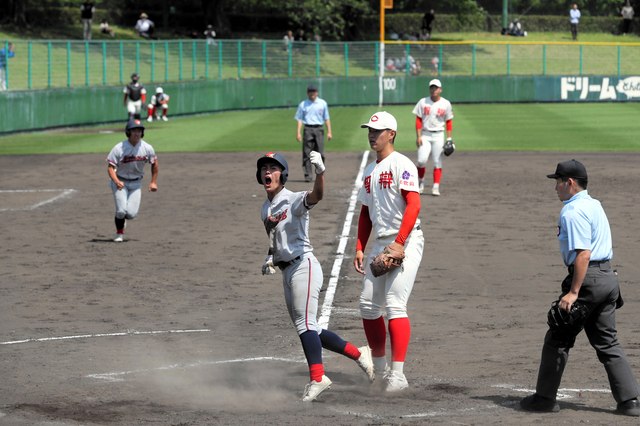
178 327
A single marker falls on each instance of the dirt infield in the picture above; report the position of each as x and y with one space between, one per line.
177 326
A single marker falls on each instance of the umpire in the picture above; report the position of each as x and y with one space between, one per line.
313 113
591 289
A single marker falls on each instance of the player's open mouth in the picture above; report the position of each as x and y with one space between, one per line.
267 180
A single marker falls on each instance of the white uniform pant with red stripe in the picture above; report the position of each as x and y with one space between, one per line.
127 199
302 282
432 143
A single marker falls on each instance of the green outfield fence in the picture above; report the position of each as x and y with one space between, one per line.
56 64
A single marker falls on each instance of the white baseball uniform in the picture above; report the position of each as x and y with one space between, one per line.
434 116
129 161
381 193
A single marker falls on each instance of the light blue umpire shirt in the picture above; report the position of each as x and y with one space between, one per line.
575 15
584 225
312 113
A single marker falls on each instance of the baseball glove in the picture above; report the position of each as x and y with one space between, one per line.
386 261
449 147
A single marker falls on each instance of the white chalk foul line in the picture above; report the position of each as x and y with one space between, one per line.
86 336
562 393
337 264
116 377
65 192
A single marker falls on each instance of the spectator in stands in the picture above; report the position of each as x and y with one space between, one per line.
424 36
210 35
300 39
575 17
627 16
390 65
427 21
87 9
413 36
145 27
106 29
515 29
288 41
4 57
435 65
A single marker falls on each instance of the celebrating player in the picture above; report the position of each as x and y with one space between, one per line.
390 206
126 169
158 101
432 114
136 93
286 219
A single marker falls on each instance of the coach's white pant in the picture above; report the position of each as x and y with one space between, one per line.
302 282
432 143
393 288
134 107
3 78
127 199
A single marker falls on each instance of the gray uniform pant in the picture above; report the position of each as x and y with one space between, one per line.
600 293
312 140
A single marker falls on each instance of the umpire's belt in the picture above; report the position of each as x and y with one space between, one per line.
283 265
130 180
604 265
313 126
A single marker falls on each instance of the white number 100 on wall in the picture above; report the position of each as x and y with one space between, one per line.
389 83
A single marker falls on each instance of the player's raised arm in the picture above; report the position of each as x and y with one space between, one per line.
318 187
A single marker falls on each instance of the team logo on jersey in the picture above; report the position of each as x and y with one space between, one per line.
367 184
272 221
386 179
427 110
132 158
406 175
270 154
441 112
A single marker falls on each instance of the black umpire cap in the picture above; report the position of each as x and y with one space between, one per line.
570 169
312 88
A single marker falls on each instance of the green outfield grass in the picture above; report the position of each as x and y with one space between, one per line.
491 127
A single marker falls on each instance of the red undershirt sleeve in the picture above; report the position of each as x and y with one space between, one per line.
364 228
418 123
410 215
144 98
449 125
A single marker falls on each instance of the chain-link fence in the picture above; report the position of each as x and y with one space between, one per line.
47 64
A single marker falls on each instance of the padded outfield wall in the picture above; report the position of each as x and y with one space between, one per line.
40 109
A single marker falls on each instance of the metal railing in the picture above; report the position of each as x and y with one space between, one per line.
51 64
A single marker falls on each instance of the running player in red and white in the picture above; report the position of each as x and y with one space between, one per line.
285 215
433 114
158 101
390 207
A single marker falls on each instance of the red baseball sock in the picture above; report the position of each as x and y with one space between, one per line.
316 371
164 112
399 334
351 351
421 172
437 174
376 333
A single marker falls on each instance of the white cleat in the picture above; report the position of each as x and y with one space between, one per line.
421 185
435 191
313 389
118 238
366 362
164 118
395 381
150 119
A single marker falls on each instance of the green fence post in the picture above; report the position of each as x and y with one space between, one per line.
86 63
104 63
290 67
346 60
618 59
220 59
121 60
166 61
68 64
508 59
581 59
473 61
544 59
29 65
377 59
264 59
49 66
239 59
153 60
440 62
138 57
180 61
206 61
194 59
317 59
407 70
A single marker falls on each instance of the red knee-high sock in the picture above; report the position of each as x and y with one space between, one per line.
437 174
164 111
316 371
399 334
421 172
376 333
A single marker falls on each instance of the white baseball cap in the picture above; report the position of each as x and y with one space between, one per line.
381 120
435 82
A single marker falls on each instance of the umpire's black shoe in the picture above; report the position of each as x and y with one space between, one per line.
539 403
629 408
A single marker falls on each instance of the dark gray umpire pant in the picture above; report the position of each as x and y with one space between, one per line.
312 140
600 293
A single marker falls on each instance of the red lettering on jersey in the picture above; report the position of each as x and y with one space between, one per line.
386 179
427 110
132 158
441 112
272 221
367 184
558 232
